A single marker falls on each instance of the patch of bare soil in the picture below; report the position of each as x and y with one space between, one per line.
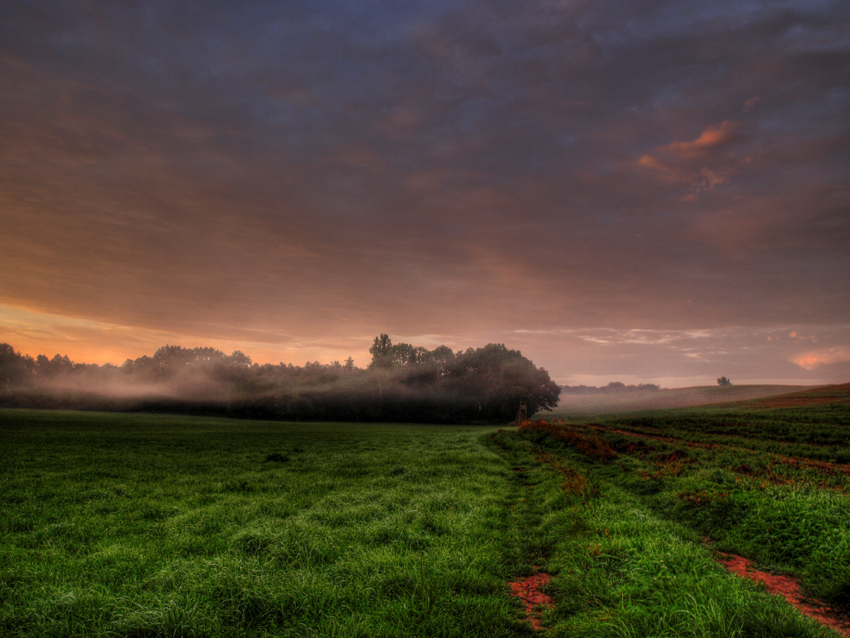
528 591
788 588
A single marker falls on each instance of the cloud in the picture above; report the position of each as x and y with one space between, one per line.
700 164
642 336
815 359
281 173
712 139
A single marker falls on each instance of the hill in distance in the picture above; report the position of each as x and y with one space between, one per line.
617 403
820 396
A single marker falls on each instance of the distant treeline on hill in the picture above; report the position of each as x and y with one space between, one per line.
611 388
402 383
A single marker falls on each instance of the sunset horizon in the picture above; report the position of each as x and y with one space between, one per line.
644 194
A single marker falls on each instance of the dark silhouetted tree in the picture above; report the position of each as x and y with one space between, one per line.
15 368
403 383
381 352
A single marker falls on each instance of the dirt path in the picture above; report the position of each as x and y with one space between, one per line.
788 588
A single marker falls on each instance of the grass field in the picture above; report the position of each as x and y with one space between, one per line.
146 525
166 526
766 479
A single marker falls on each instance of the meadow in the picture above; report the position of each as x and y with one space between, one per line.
156 525
144 525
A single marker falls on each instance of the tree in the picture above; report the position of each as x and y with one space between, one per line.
15 368
404 354
381 352
442 356
239 358
723 381
499 379
169 360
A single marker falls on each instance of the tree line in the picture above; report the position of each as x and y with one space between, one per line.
402 383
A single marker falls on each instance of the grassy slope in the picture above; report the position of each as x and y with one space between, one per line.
838 394
614 403
814 424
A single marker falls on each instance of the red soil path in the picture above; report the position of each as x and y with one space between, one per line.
788 588
528 591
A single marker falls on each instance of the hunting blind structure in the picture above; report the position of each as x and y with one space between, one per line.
522 414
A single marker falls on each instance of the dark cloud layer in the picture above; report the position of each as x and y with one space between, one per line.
300 176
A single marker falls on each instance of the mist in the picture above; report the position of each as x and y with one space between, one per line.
402 383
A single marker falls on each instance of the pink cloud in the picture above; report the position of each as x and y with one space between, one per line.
648 161
700 164
818 358
711 138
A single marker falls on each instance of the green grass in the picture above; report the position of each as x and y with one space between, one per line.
146 525
166 526
725 472
623 570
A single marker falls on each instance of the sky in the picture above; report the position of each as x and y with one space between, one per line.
644 192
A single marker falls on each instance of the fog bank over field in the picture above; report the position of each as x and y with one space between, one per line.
402 383
607 402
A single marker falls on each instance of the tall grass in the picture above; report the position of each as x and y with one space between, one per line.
622 571
120 525
128 525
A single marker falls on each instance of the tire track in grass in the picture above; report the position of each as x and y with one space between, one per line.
526 517
528 589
